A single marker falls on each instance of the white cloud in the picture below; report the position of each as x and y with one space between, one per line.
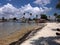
42 2
34 10
9 11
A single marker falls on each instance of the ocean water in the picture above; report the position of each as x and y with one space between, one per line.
7 28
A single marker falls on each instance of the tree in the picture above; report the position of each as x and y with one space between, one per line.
30 14
36 20
14 18
55 14
43 16
58 5
30 19
23 13
58 18
49 18
3 18
36 16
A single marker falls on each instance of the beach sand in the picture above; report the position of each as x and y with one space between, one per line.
17 35
45 36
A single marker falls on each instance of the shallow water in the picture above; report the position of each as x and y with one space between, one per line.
7 28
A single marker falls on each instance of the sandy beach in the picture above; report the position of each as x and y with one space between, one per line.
46 36
17 34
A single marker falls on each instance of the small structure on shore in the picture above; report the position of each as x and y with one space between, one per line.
40 20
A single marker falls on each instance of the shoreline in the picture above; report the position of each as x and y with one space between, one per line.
26 36
45 36
16 35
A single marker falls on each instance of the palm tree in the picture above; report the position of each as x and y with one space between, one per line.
36 16
30 15
49 18
55 14
36 19
24 20
14 18
3 18
23 13
58 18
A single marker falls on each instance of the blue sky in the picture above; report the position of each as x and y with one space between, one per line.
19 3
8 8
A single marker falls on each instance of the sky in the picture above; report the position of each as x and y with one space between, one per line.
16 8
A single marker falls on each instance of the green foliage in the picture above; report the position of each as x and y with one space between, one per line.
3 18
58 16
58 5
55 14
23 13
30 13
36 16
14 18
30 19
43 16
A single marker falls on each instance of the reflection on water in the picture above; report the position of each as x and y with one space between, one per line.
8 27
